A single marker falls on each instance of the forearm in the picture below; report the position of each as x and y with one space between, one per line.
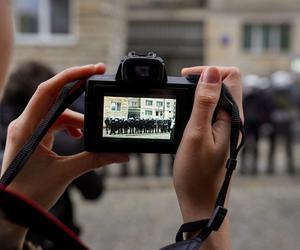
12 236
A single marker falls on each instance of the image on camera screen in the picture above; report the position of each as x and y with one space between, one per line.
138 117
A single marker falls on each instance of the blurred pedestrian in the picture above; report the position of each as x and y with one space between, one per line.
141 169
283 117
257 108
159 164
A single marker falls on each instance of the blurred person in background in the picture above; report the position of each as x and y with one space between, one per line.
283 116
141 169
257 106
159 164
21 86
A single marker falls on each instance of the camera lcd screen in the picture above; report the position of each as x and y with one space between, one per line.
139 117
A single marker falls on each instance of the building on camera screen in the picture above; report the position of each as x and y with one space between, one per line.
139 118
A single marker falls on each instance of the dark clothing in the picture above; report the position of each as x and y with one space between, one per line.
257 109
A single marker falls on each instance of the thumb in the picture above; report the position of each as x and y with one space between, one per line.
78 164
206 99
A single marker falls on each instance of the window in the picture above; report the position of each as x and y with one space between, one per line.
149 103
148 112
266 37
115 106
41 21
159 104
133 104
168 105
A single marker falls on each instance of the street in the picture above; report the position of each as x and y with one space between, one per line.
165 136
142 213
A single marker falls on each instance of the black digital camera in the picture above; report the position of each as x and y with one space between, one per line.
140 109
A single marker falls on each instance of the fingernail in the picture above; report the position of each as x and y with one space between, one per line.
211 75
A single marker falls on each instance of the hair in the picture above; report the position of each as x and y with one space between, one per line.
21 85
23 82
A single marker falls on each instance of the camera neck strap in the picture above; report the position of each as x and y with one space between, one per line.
207 226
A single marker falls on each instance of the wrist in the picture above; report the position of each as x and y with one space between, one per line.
196 207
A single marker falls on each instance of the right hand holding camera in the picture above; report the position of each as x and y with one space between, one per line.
199 166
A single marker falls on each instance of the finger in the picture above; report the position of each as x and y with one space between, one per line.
222 128
70 121
206 99
17 134
48 141
75 132
233 81
78 164
69 118
231 76
193 70
198 70
48 91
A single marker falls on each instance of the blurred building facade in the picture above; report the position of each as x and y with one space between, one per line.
258 36
65 33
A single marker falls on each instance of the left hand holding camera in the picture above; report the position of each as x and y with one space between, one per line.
46 175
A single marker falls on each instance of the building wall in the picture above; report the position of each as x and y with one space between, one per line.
162 112
255 5
223 25
110 113
263 63
99 34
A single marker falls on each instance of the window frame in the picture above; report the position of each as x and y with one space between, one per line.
116 105
44 37
149 103
148 112
159 104
257 37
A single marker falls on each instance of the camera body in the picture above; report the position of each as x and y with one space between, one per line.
140 109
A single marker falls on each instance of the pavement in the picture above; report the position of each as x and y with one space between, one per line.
142 213
162 136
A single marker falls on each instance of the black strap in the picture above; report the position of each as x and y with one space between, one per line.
215 221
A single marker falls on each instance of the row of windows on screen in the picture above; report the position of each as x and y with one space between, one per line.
116 106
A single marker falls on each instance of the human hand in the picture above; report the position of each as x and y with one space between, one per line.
199 166
46 174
